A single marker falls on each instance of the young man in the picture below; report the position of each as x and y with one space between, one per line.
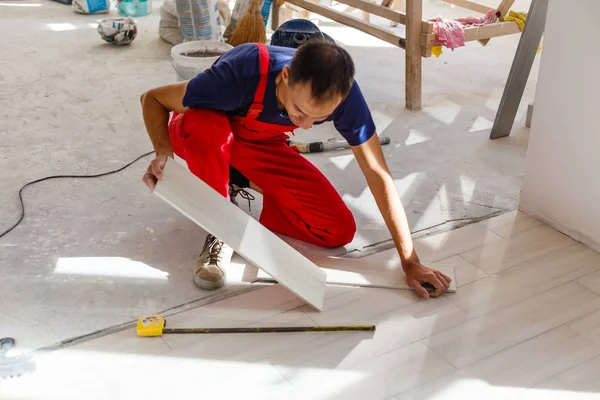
230 122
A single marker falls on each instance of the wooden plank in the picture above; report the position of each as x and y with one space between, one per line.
384 12
357 272
375 9
348 20
505 6
207 208
414 19
491 30
470 5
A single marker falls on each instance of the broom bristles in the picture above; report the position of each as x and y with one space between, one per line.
251 28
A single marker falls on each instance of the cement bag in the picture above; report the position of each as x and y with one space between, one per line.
91 6
239 10
168 28
199 20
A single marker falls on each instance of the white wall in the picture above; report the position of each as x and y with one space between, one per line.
562 175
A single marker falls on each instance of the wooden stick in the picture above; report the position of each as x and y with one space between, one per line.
491 30
349 20
384 12
505 6
275 15
414 14
470 5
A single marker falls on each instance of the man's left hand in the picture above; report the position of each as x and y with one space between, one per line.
418 274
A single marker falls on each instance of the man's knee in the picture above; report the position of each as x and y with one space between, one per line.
344 231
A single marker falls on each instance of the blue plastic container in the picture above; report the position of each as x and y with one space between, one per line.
135 8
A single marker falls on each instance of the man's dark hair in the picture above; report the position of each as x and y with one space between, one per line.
326 66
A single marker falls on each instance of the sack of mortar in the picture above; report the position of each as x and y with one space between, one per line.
91 6
199 20
168 27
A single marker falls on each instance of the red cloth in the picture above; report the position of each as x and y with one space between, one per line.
450 34
298 200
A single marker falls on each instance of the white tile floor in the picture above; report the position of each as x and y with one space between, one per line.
524 323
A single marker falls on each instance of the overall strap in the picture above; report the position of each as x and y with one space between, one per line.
263 63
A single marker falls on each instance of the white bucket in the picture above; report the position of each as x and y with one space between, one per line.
207 52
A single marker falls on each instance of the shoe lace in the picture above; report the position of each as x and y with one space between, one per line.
214 247
233 193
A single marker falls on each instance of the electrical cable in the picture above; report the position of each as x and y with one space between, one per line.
61 177
475 219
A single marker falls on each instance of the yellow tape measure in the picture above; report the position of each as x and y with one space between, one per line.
150 325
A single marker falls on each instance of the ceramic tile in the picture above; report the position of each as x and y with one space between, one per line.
552 384
583 378
592 281
56 377
588 326
384 376
236 311
517 249
522 365
359 306
407 367
249 347
517 284
511 223
472 389
491 333
405 326
464 271
197 201
166 377
443 245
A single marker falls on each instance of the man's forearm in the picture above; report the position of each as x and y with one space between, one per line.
384 191
156 119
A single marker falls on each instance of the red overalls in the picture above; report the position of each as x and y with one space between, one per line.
298 201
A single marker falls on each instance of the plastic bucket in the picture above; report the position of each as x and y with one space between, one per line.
192 58
135 8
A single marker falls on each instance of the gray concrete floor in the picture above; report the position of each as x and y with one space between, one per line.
97 253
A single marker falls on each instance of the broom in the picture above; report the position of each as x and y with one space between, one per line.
251 28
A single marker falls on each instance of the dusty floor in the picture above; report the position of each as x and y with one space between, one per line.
523 324
97 253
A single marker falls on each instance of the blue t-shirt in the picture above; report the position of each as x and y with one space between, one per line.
230 84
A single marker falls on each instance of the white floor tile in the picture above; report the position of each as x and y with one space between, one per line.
403 326
56 378
521 366
464 271
510 223
517 284
592 281
583 378
360 306
491 333
438 247
517 249
588 326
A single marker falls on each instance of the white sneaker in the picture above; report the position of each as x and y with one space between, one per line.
209 272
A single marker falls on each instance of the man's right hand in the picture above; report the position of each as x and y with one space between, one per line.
155 170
